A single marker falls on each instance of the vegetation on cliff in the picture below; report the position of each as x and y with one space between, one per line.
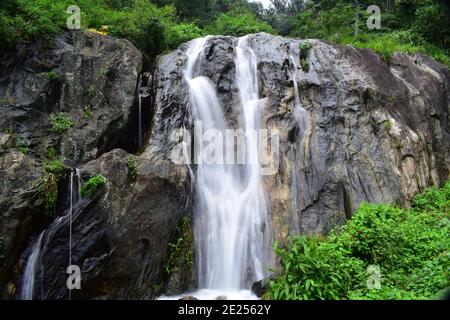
384 252
155 26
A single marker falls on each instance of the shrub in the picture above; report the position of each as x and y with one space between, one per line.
432 23
410 247
60 123
132 167
180 259
54 171
238 25
56 167
90 188
51 153
52 75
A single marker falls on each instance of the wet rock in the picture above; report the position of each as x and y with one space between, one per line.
375 132
188 298
260 288
21 209
120 236
90 78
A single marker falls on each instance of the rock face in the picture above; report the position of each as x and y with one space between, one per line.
375 132
120 236
90 78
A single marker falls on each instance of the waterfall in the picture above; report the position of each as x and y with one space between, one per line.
143 92
301 119
231 223
140 121
27 291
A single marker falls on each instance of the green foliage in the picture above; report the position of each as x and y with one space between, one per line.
304 47
50 193
152 29
60 123
56 167
410 247
52 75
91 90
419 26
238 25
51 153
388 125
132 167
23 149
90 188
432 23
180 33
54 171
87 112
154 26
398 144
181 252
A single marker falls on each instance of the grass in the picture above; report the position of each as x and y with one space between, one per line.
386 44
92 185
410 248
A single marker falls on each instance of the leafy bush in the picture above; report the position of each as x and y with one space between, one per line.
181 254
54 171
152 29
422 26
60 123
411 248
238 25
132 167
432 23
56 167
90 188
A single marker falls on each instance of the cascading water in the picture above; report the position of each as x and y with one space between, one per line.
27 291
143 93
301 119
232 227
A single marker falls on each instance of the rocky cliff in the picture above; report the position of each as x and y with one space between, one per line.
375 131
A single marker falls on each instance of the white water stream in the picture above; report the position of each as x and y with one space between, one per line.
27 291
232 226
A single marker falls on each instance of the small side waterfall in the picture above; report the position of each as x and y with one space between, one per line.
232 227
27 291
301 119
143 93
